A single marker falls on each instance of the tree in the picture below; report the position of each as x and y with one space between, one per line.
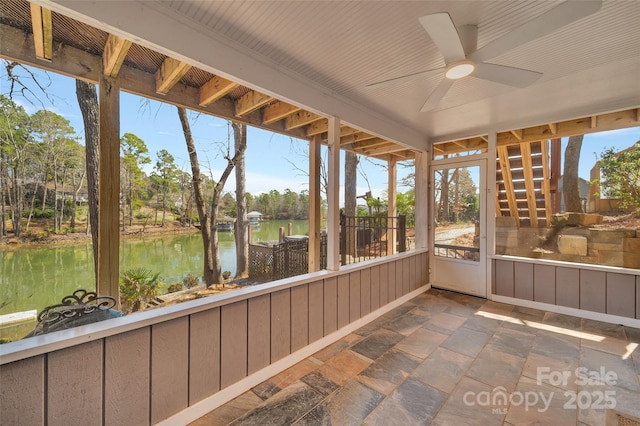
570 187
166 172
50 131
203 214
14 147
621 175
241 234
88 102
350 198
134 154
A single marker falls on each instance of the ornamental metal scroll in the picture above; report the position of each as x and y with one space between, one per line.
81 307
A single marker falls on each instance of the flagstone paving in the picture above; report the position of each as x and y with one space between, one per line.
445 358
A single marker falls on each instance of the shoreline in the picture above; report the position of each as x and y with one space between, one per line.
135 231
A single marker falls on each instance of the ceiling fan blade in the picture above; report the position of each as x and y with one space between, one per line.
505 75
405 78
440 28
436 96
548 22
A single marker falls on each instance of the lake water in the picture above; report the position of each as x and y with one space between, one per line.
36 277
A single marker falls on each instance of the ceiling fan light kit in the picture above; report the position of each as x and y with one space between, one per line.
459 70
458 48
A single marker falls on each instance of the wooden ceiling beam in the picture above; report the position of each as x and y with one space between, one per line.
169 74
215 89
300 119
553 127
580 126
115 51
42 28
278 111
250 102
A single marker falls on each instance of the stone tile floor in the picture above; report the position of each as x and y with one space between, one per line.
449 359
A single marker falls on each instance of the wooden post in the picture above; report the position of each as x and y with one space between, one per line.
314 204
556 152
392 210
422 199
109 190
290 229
333 196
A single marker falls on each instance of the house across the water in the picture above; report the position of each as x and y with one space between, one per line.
254 216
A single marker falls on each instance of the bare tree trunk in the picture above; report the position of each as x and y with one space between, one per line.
241 235
350 199
88 102
76 190
570 186
444 196
205 220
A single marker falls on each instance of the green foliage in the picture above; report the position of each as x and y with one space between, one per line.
138 285
226 275
175 287
620 175
191 281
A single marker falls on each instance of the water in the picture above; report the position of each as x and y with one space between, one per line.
36 277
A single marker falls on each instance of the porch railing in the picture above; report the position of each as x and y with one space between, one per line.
457 252
369 237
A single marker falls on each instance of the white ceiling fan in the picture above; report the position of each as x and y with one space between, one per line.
462 58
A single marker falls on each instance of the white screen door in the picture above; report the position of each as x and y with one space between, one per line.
458 231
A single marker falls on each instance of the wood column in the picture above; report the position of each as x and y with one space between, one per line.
333 196
109 189
422 197
392 190
314 204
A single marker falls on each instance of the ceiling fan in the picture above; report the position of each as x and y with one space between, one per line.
462 58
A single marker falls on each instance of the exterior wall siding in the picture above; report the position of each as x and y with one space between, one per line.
569 286
145 375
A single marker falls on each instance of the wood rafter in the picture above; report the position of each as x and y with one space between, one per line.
169 74
115 51
519 134
390 149
321 127
250 102
356 137
42 28
215 89
527 169
553 128
300 119
368 144
278 111
463 145
505 167
581 126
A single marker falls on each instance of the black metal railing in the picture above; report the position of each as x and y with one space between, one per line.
367 237
457 252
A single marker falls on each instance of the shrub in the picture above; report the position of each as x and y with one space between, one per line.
175 287
138 285
226 275
191 281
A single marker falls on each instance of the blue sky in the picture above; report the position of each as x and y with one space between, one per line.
269 155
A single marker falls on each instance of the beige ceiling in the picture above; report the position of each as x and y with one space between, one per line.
321 55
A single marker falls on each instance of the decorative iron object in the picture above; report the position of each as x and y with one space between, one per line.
74 310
